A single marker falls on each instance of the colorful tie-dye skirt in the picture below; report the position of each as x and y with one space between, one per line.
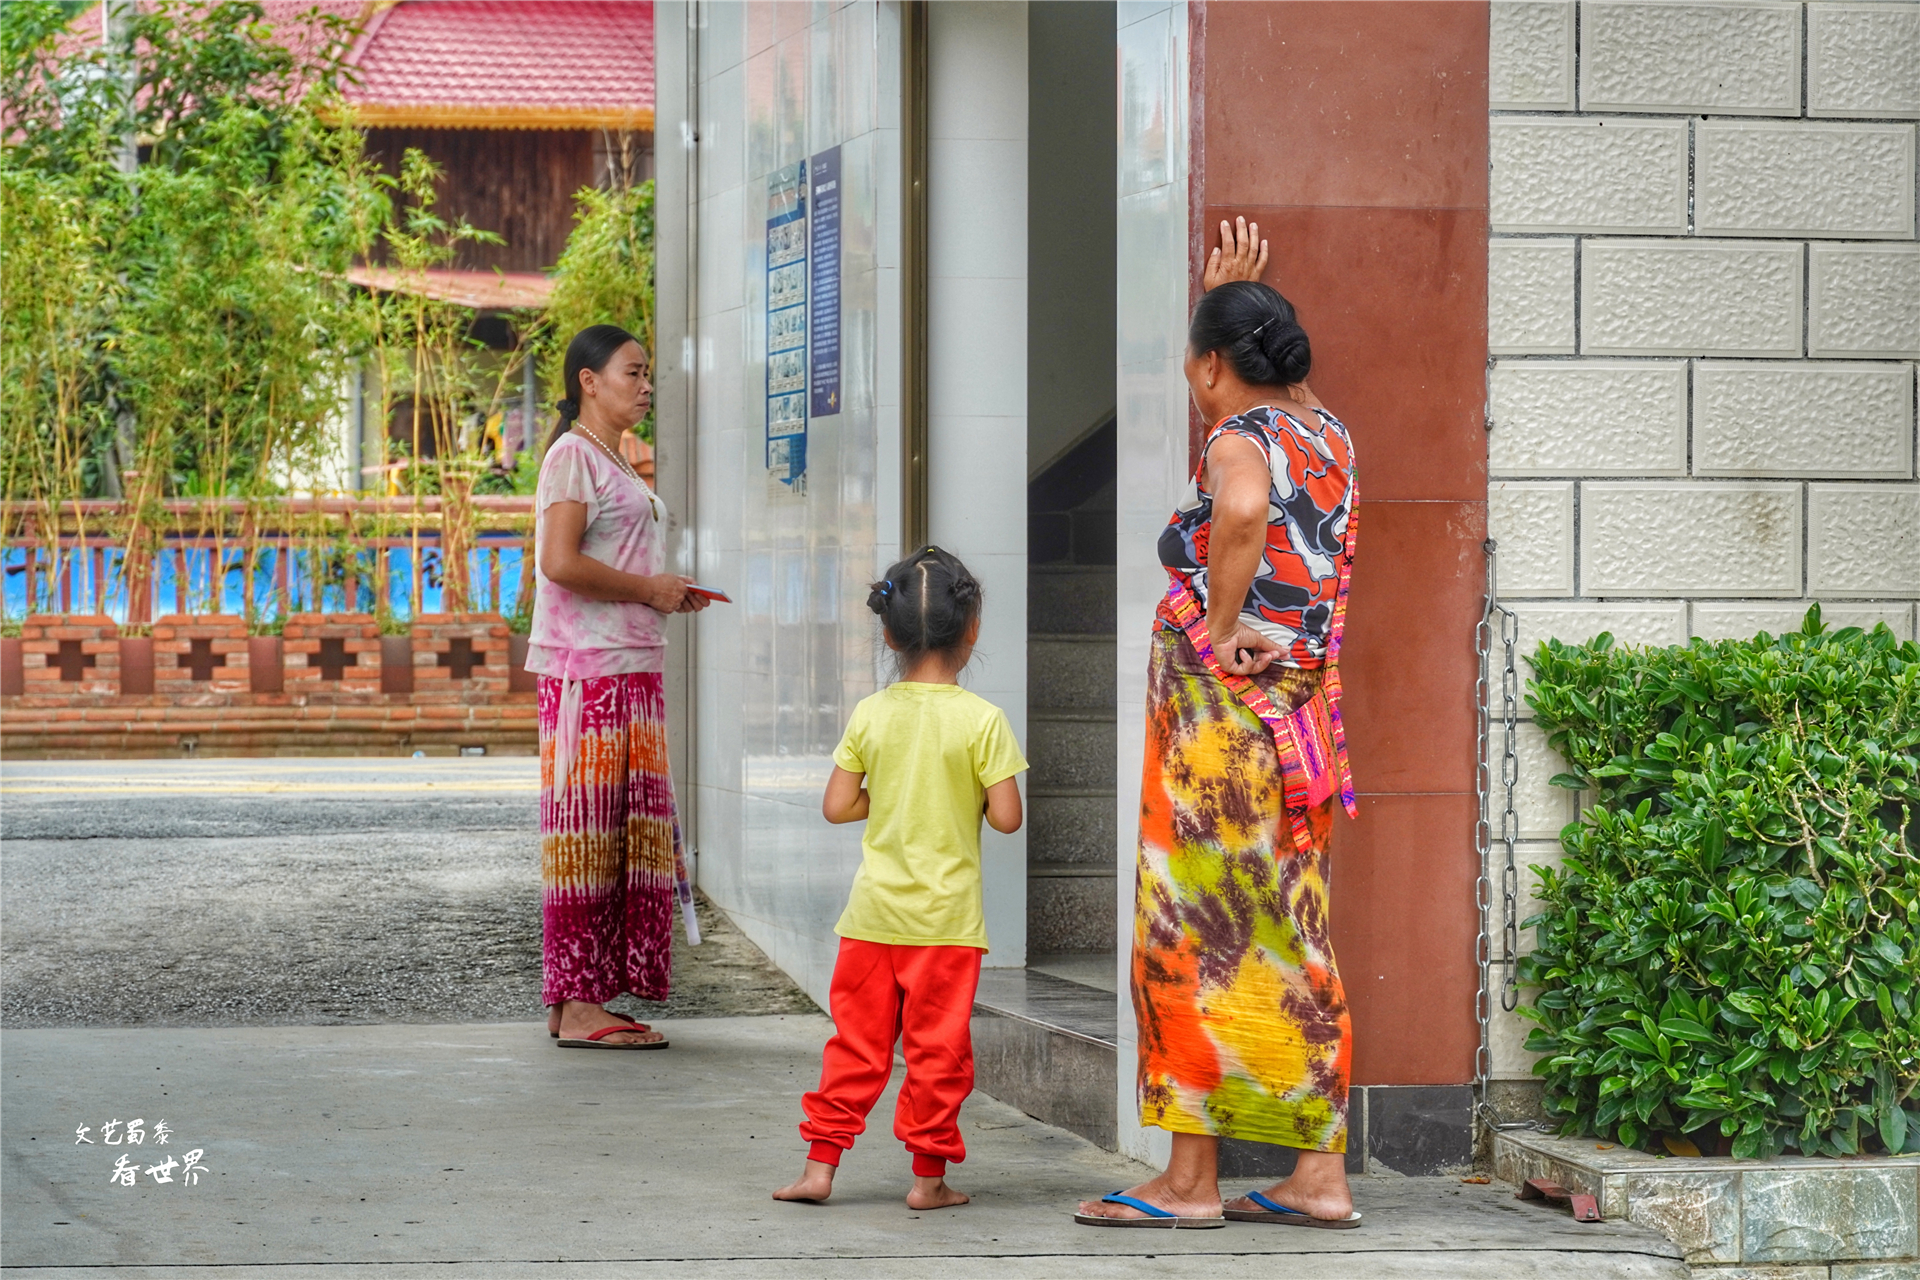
606 843
1242 1021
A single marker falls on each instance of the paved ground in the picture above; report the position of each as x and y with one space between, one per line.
206 942
224 892
484 1151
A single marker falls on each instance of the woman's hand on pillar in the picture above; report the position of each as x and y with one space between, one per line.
1240 255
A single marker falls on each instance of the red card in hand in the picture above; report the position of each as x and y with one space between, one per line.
711 593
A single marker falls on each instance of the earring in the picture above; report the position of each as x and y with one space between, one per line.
1209 384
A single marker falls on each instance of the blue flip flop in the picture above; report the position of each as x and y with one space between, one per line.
1272 1211
1156 1216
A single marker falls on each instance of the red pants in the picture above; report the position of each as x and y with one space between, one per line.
924 997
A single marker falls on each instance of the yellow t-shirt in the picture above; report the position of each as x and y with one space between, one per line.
929 751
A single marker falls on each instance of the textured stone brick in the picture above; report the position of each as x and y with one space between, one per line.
1661 56
1530 62
1614 175
1689 539
1823 1215
1533 526
1803 178
1530 297
1700 297
1507 1044
1864 300
1863 60
1699 1212
1843 420
1541 808
1745 619
1656 623
1863 540
1588 418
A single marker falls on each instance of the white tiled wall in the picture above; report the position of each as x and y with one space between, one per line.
977 375
1151 288
776 673
1704 312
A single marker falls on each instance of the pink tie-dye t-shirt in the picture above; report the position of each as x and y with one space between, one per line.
574 636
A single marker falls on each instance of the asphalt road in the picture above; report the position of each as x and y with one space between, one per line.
297 891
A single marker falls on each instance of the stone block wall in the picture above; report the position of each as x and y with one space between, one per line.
1703 313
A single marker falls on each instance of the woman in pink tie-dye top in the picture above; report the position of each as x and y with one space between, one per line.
609 831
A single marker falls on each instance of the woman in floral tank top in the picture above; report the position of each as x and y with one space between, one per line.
1243 1028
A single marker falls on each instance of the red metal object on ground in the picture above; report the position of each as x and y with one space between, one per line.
1585 1207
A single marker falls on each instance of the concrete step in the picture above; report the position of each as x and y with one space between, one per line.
1071 750
1071 599
1048 1047
1071 828
1070 672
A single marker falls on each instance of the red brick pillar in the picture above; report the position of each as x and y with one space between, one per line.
460 680
200 660
70 657
332 657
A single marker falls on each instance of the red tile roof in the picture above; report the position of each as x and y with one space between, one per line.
493 64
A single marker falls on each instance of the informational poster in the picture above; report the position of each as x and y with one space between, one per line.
787 324
824 305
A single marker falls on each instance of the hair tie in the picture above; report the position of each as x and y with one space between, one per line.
886 588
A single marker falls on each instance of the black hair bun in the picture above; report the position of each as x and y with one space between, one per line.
568 410
1286 347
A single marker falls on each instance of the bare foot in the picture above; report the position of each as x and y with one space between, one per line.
934 1193
813 1185
1317 1187
577 1020
1193 1201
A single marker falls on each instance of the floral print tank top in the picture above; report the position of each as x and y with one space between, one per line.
1291 600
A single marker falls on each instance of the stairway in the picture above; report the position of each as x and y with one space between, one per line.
1070 726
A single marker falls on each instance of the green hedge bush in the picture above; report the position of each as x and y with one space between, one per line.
1730 949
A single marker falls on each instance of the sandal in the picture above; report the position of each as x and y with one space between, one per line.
637 1024
1156 1216
597 1039
1273 1212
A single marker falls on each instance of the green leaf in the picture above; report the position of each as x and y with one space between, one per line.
1893 1128
1628 1038
1686 1029
1570 781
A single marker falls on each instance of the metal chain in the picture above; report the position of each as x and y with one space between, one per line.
1498 626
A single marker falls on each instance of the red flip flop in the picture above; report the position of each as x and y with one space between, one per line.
597 1040
637 1024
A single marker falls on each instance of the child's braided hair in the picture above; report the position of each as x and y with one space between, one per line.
926 602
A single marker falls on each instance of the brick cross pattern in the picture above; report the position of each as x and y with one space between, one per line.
72 662
201 659
460 659
333 658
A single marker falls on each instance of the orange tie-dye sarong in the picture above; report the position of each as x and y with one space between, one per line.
1242 1020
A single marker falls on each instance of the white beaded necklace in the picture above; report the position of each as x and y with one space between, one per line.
620 461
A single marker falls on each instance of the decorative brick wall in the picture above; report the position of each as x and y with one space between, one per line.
201 660
1703 311
335 656
266 695
71 656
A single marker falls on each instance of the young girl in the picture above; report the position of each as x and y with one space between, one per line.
932 757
